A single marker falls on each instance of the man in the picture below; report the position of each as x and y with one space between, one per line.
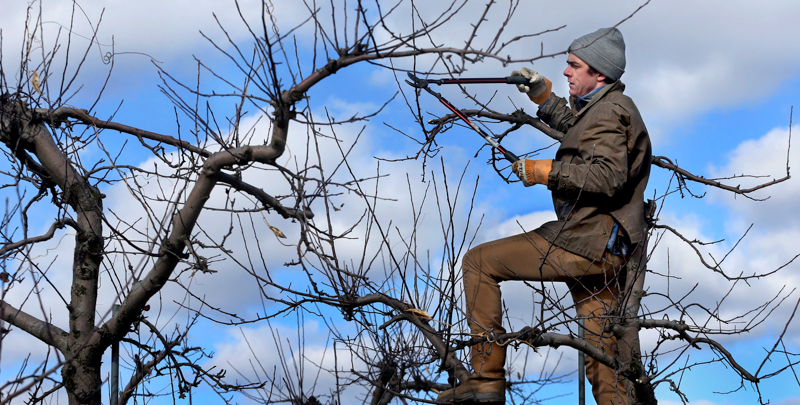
597 179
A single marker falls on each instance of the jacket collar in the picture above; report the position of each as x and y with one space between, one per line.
573 101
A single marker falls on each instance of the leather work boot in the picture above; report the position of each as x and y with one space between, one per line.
486 384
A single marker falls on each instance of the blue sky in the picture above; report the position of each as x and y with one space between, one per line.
714 80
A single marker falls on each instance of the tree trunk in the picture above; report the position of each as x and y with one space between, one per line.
81 377
23 132
637 384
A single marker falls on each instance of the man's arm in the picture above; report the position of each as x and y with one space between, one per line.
555 113
604 152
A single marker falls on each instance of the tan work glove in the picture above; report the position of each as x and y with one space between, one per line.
532 171
539 89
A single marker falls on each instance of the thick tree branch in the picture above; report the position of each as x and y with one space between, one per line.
183 224
295 93
535 338
62 113
44 331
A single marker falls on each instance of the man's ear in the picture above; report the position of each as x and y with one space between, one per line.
601 78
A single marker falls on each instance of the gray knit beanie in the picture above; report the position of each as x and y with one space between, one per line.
603 50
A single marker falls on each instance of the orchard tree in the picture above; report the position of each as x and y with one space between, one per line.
224 169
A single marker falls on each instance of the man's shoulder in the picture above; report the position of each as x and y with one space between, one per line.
616 98
617 93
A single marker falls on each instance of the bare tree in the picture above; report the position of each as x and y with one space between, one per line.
401 301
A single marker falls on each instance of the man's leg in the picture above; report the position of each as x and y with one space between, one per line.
521 257
527 257
594 298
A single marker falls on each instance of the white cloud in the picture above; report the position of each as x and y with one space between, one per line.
765 157
159 29
253 353
684 58
519 224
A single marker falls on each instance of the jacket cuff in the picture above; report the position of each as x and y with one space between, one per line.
553 176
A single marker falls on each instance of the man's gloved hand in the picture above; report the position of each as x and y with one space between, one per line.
539 89
532 171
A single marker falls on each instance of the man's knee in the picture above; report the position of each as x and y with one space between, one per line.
471 260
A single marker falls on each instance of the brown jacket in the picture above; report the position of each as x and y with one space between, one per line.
599 173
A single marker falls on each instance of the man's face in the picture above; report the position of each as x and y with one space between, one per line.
581 80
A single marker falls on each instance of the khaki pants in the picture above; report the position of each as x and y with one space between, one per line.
594 288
